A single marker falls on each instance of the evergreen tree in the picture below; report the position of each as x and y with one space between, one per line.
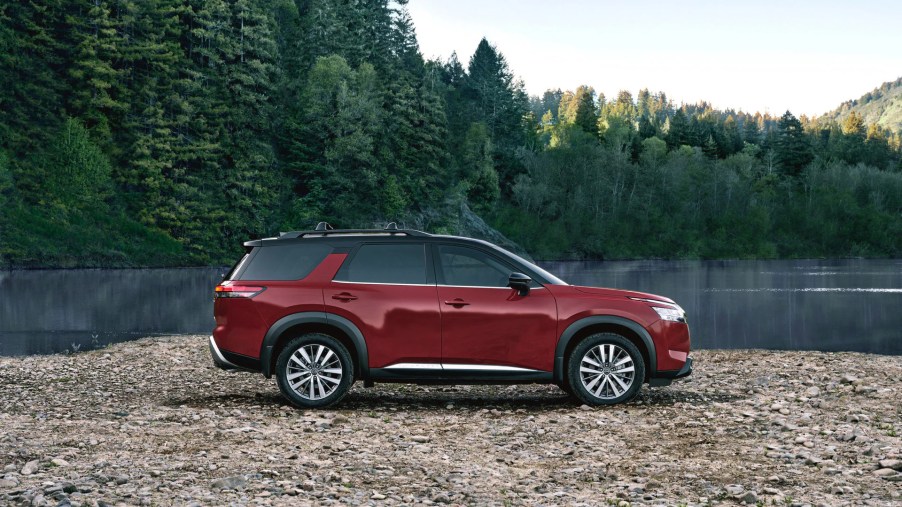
793 152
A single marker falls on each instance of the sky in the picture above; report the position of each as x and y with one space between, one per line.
767 56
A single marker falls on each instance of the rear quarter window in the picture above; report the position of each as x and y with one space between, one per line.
386 263
283 262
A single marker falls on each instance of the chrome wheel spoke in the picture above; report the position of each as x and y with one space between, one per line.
314 371
607 371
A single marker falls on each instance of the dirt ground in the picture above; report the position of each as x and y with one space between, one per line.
152 422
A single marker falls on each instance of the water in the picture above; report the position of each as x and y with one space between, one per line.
48 311
800 305
830 305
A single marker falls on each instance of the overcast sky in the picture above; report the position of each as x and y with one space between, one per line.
756 56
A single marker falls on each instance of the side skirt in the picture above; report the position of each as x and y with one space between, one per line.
444 376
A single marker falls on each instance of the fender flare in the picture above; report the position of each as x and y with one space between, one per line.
576 327
329 319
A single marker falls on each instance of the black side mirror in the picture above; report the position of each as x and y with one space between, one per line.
520 283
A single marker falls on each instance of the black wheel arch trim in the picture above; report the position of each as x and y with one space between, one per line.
324 318
574 328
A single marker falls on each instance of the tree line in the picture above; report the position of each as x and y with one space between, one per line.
166 132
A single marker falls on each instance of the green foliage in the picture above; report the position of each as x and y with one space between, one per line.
792 147
74 171
684 204
165 132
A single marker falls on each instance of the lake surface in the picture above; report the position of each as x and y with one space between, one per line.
798 305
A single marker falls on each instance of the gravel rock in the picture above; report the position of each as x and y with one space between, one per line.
238 481
747 426
31 467
895 464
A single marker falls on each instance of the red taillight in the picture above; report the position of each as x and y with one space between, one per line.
237 291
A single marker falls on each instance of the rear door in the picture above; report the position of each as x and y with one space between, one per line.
388 291
485 322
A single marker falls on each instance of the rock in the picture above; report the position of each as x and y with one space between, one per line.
813 391
378 496
339 419
734 489
31 467
884 472
441 498
60 462
421 439
848 379
749 498
895 464
235 482
8 483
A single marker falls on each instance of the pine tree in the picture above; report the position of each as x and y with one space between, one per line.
793 152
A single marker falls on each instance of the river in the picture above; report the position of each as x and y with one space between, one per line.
830 305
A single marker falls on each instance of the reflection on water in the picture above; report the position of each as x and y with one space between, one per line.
847 304
820 304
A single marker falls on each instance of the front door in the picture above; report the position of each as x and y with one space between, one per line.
386 290
486 325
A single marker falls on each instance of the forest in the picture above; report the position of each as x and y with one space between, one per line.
167 132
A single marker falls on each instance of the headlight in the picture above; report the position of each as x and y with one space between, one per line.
674 314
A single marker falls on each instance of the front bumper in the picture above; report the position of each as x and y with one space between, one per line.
665 378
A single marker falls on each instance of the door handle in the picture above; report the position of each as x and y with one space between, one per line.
457 302
344 296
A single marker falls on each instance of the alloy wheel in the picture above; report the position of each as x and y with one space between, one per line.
313 371
607 371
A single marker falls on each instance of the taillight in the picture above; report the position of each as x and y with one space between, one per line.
237 291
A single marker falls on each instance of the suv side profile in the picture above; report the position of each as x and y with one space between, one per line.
321 309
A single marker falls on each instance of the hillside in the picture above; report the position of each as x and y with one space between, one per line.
882 105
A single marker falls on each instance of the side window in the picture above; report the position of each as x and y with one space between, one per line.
468 266
386 263
282 262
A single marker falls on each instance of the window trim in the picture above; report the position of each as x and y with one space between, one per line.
430 272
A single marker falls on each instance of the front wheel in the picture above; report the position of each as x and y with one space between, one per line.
314 370
605 369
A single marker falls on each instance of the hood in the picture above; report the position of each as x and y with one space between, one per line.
598 291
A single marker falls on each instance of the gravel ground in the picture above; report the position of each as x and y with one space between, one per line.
152 422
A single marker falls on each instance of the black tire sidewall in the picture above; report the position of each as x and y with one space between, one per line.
347 367
573 365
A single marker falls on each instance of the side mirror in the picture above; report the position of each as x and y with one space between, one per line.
520 283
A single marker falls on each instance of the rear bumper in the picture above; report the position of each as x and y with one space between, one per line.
665 378
218 359
231 361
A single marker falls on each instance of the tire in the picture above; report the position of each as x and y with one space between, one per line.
324 362
618 380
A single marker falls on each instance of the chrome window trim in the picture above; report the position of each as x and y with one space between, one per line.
387 283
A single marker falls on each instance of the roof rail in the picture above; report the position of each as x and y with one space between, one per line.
325 229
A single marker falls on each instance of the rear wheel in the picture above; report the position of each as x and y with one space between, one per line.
605 369
314 370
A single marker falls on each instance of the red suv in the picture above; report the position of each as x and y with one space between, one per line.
320 309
